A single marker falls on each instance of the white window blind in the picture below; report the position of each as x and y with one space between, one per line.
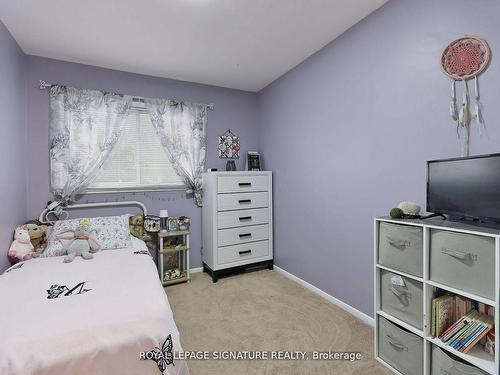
138 161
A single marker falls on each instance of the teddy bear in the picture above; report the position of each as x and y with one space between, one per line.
81 242
136 224
38 234
21 248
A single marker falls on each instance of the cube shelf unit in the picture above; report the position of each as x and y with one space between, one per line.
181 254
476 356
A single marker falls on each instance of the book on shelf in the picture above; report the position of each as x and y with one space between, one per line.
464 305
443 314
461 322
467 331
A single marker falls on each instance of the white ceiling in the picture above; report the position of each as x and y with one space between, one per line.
241 44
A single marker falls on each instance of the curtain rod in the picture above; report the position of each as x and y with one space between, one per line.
43 85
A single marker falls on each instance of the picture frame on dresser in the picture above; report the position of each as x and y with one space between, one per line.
421 260
237 220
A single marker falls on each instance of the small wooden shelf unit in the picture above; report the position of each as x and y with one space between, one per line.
181 253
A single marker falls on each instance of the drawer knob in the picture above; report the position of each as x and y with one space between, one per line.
244 235
242 201
244 184
245 252
245 218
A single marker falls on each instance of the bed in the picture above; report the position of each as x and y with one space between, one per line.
100 316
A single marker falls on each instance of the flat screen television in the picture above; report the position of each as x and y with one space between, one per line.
465 187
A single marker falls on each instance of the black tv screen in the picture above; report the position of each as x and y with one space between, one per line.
468 187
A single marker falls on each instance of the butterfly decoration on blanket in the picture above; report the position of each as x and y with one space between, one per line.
164 356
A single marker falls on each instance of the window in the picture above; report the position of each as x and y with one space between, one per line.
138 161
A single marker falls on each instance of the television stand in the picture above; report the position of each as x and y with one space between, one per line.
425 263
433 215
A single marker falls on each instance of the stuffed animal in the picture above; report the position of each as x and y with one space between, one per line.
136 224
172 274
79 242
410 209
406 210
38 234
21 248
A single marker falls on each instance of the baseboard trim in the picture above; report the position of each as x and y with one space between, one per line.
196 270
358 314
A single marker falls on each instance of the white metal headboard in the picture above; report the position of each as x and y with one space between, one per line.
58 210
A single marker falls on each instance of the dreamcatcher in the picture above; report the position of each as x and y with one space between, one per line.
462 60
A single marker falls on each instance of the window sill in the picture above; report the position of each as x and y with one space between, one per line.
135 190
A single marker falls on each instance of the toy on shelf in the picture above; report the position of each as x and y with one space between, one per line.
489 345
405 210
173 244
21 248
152 223
183 222
174 273
172 224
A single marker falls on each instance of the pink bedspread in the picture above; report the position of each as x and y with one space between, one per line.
98 317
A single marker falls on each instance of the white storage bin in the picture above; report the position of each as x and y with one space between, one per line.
463 261
444 364
400 248
402 298
399 348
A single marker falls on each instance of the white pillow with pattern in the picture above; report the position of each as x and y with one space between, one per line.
112 232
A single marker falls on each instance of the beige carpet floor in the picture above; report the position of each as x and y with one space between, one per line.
265 311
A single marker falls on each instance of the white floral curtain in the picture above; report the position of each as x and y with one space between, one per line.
84 127
181 127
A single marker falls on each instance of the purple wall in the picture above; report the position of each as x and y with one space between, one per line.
348 131
12 141
234 109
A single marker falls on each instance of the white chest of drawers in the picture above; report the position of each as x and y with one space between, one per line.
237 221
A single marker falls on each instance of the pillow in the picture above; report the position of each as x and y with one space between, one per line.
112 232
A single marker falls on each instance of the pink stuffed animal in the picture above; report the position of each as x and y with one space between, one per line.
21 248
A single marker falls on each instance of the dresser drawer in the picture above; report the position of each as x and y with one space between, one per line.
401 247
463 261
240 218
402 298
243 252
242 184
401 349
239 201
236 236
